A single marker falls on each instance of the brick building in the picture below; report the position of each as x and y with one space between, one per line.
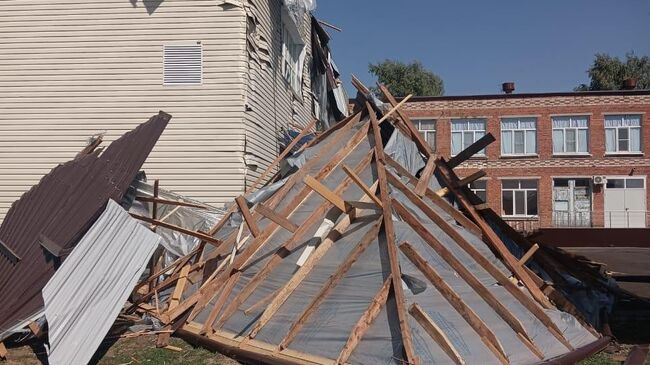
576 159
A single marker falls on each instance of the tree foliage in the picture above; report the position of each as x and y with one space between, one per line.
608 73
403 79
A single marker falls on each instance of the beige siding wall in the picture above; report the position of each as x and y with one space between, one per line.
271 102
72 68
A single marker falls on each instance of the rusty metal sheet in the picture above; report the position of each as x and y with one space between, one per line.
60 209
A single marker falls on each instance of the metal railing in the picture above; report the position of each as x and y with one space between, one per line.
572 219
626 218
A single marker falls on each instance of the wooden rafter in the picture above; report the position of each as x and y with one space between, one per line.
423 184
248 217
357 180
276 217
470 151
389 231
151 199
486 264
436 333
326 193
189 232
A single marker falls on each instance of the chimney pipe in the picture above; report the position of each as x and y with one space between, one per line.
629 84
508 87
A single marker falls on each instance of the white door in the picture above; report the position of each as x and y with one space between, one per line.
625 202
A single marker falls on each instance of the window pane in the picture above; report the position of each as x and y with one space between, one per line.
623 133
520 201
458 125
509 124
561 122
558 141
531 142
634 183
506 142
528 123
426 124
615 183
430 137
456 142
613 121
468 139
583 140
610 140
531 202
635 139
580 122
561 182
571 140
510 184
623 145
528 184
478 184
506 197
519 142
482 194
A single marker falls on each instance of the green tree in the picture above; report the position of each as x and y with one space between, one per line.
403 79
608 73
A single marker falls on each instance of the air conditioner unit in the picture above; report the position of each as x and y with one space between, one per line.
600 180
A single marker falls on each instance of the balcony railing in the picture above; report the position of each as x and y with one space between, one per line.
626 218
571 219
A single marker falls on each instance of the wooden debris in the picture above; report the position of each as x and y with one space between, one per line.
200 235
3 351
276 217
326 193
248 217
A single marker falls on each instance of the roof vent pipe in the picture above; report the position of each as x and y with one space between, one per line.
508 87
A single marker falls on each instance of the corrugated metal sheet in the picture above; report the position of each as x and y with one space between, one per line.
60 209
100 273
73 68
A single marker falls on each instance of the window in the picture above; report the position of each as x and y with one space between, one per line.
479 187
630 183
427 128
464 132
518 136
519 198
571 135
182 65
292 55
623 133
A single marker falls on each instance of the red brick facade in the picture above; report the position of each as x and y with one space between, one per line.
545 166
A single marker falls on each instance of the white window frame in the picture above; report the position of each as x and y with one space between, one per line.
513 131
616 135
293 56
464 132
514 198
564 139
429 135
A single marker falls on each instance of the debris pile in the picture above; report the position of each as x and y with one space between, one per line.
364 248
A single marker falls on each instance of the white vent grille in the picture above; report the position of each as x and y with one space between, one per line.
182 65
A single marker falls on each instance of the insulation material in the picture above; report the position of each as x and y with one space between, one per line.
85 296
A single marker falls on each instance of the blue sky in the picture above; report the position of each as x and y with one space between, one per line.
541 45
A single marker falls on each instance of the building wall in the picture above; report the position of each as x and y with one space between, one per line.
271 103
545 166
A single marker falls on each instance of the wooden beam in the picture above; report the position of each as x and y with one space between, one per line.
305 131
462 271
394 108
35 329
264 301
528 255
200 235
248 217
415 135
438 336
326 193
276 217
437 200
486 264
493 239
425 177
150 199
487 336
331 283
225 294
471 178
177 294
470 151
389 230
366 320
357 180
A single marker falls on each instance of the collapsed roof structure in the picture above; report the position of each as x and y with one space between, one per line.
371 251
44 225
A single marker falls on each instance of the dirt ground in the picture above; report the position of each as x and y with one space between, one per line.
129 351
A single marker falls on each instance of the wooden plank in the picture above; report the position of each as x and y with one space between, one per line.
151 199
225 293
425 177
486 264
394 108
389 230
487 336
326 193
528 255
357 180
248 217
438 336
180 287
3 351
35 329
264 301
471 178
492 238
470 151
200 235
276 217
415 135
437 200
282 155
366 320
330 284
462 271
